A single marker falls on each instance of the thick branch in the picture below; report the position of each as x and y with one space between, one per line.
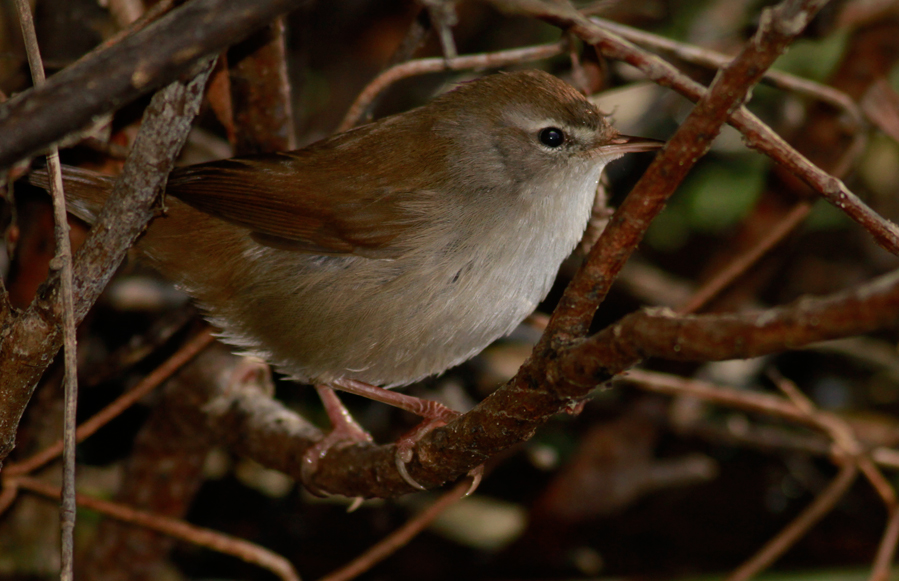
253 424
660 333
28 344
137 65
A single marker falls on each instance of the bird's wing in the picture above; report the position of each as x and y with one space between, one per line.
297 201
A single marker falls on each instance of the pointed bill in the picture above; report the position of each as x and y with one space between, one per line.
622 144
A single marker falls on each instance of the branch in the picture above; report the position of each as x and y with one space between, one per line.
659 333
712 59
28 344
254 425
407 69
244 550
63 255
137 65
813 513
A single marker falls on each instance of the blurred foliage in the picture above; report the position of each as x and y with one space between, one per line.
713 198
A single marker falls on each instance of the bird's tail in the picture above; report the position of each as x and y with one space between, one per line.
86 190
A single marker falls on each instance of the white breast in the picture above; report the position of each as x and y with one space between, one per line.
393 322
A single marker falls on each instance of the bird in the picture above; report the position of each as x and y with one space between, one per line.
393 251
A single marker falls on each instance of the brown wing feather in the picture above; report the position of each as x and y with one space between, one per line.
297 201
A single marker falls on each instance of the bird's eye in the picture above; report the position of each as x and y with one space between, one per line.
551 136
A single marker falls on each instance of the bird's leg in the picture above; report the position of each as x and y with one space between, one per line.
435 414
344 432
424 408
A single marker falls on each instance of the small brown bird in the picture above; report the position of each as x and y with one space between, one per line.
393 251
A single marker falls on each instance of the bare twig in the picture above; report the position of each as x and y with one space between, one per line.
755 402
400 537
735 268
786 538
751 401
712 59
658 332
842 435
63 263
436 65
759 436
244 550
114 409
883 562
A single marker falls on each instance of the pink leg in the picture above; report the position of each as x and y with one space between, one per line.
344 432
424 408
435 414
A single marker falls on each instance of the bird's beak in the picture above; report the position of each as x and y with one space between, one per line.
622 144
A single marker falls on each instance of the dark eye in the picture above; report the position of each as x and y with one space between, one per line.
551 137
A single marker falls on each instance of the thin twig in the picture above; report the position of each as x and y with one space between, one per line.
842 435
786 538
187 352
63 262
883 562
400 537
735 268
689 143
757 135
244 550
750 401
436 65
712 59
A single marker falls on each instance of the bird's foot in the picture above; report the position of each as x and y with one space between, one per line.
344 432
436 415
